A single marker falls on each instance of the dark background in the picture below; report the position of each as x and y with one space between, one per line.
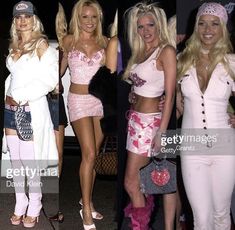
47 9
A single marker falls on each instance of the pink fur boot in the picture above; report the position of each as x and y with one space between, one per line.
140 217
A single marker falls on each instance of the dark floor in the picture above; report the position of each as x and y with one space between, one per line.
104 199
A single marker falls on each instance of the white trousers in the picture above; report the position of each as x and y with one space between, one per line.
209 182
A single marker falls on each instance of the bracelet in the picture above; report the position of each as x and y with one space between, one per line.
160 133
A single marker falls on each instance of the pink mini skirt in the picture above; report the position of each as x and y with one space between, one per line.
84 105
142 128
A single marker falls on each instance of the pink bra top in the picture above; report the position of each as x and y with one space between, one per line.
83 68
147 80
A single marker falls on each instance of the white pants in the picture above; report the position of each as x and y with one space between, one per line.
209 183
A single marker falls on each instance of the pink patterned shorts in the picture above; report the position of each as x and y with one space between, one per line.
86 105
142 128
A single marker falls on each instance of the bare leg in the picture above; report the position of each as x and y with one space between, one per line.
84 129
98 141
59 136
132 180
60 145
178 211
169 204
10 132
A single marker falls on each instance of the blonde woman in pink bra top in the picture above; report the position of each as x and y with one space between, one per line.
84 53
152 70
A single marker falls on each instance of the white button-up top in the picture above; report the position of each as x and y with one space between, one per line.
208 109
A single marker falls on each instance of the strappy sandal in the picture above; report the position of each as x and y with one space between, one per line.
29 221
89 227
59 217
16 220
95 215
85 226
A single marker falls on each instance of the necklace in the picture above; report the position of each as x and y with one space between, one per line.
85 46
204 64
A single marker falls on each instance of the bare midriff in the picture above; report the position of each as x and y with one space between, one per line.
78 88
146 104
10 101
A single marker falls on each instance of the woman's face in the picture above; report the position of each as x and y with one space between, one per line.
88 19
147 29
24 22
209 30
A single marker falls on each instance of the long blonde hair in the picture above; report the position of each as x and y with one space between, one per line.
60 25
136 43
190 54
171 24
114 26
37 36
74 25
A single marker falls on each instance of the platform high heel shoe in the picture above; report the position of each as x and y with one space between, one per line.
29 221
16 220
95 215
85 226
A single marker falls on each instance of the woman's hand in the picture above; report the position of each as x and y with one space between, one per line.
231 120
161 103
132 96
10 101
156 144
179 104
56 90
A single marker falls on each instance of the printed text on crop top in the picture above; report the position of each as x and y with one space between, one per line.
83 68
147 80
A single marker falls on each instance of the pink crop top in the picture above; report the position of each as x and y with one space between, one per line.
83 68
147 80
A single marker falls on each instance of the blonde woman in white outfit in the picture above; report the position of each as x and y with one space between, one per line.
33 67
206 81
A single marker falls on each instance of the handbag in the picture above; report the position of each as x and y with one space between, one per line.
106 160
158 177
103 86
23 124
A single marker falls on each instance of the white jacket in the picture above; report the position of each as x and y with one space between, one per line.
30 81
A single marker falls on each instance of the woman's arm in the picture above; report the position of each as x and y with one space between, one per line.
167 59
179 102
111 54
63 64
67 41
231 120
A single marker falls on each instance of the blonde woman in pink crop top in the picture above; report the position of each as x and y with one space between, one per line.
84 53
152 70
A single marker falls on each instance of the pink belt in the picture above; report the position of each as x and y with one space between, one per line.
14 107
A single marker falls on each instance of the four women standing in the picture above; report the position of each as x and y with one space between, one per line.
206 70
